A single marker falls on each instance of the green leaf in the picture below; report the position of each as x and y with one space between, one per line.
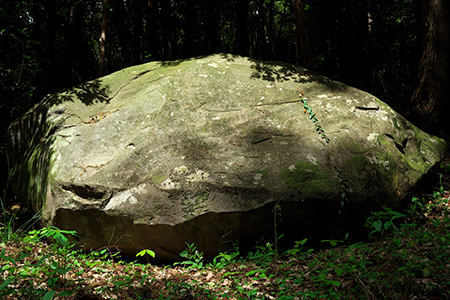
49 295
335 283
52 281
5 283
66 293
387 225
377 225
184 253
63 271
148 252
339 271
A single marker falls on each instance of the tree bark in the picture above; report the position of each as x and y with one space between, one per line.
138 8
270 27
118 20
153 39
102 48
189 20
211 26
430 101
242 45
168 45
302 35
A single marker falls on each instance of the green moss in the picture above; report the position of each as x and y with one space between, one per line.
357 162
193 206
396 125
263 173
307 178
157 178
354 148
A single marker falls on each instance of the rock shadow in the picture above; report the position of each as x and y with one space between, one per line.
29 156
89 93
278 71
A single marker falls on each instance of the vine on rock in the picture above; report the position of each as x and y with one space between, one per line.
345 188
312 116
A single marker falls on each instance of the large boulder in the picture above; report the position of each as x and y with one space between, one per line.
212 150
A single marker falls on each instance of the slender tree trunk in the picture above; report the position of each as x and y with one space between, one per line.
102 48
211 24
270 27
430 101
189 19
82 58
168 46
262 36
137 7
242 44
153 40
302 35
118 20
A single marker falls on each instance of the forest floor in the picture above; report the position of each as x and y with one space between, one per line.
411 262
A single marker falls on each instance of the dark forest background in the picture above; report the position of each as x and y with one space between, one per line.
377 46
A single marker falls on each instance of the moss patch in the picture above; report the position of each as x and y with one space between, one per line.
157 178
307 178
263 173
357 162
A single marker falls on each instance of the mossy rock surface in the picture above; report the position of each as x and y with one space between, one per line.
200 151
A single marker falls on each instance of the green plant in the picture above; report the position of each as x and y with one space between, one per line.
223 259
312 116
7 225
322 279
383 221
146 253
445 166
298 247
53 270
62 248
276 215
417 208
344 187
193 256
332 242
263 254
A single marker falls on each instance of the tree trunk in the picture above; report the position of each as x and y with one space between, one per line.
211 25
302 35
78 68
102 49
153 38
138 9
118 20
189 19
168 46
430 101
241 47
270 26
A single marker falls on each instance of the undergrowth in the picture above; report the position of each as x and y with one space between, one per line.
408 257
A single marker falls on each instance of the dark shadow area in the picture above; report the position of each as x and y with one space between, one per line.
29 157
89 93
174 63
277 71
